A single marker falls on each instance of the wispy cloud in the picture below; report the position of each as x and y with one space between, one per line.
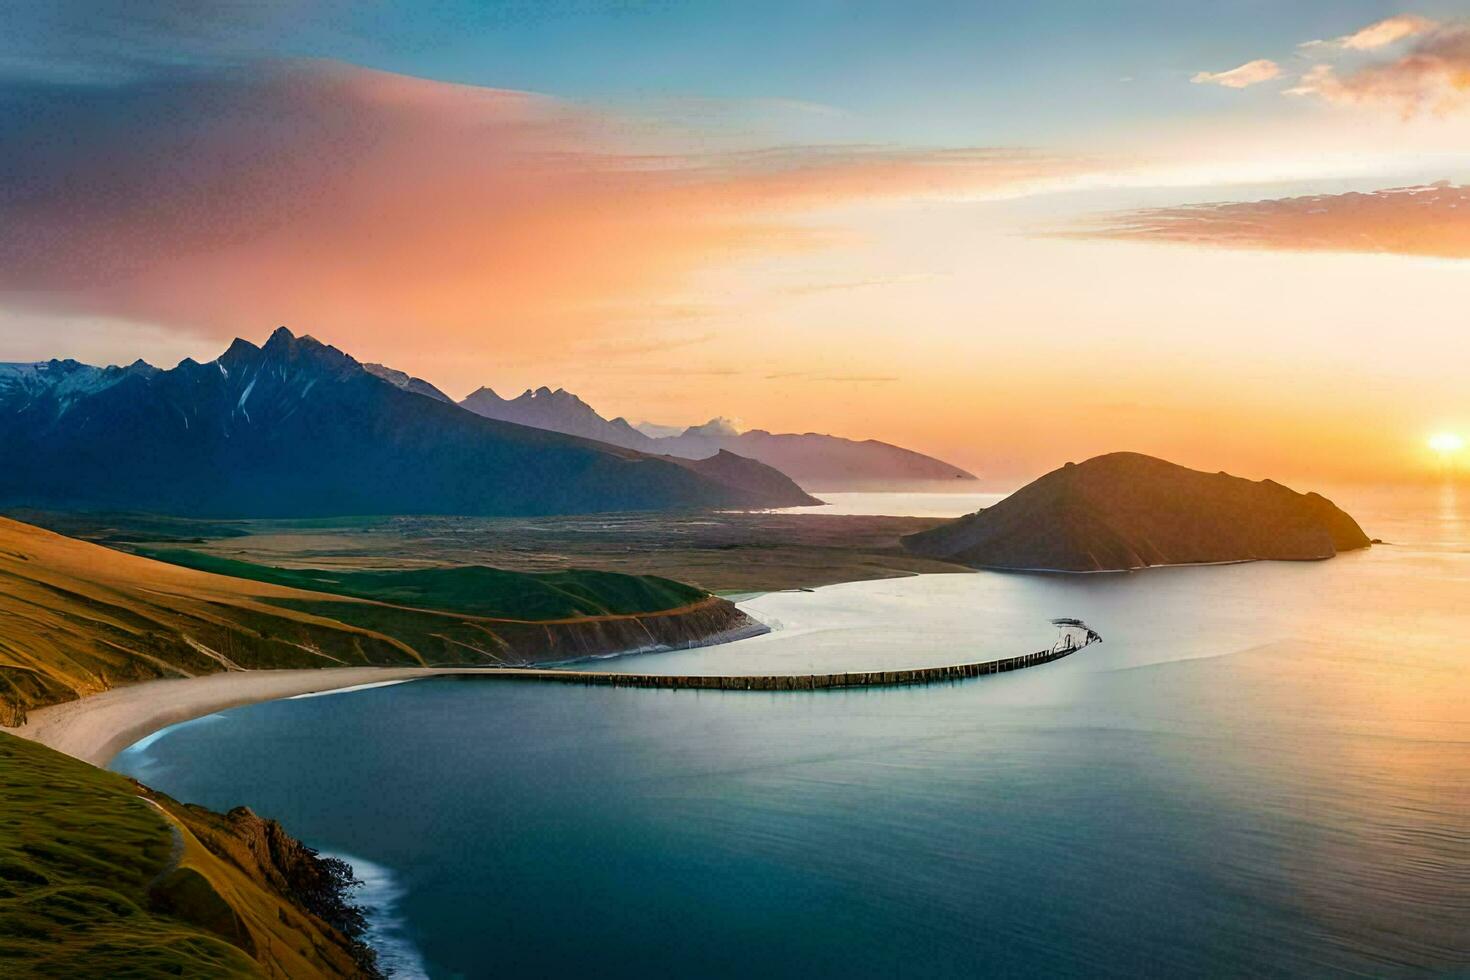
1432 75
1250 73
636 346
1409 63
380 207
101 41
814 177
837 378
807 289
1431 220
1379 34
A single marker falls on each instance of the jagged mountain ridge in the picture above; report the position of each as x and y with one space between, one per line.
814 460
299 428
47 389
561 411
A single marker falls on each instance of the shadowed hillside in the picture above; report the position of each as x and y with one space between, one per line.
474 589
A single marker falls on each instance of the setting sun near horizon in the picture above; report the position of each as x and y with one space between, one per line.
1446 443
639 488
1242 244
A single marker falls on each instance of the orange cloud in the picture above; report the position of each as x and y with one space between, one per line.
1432 221
1250 73
1433 75
381 208
1379 34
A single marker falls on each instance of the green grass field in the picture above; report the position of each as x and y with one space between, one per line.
472 590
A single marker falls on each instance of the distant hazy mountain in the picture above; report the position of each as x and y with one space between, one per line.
655 431
815 461
1127 510
299 428
559 411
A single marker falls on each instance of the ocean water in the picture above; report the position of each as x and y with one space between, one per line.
936 504
1264 769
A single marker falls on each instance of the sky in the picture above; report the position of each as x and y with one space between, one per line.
1233 234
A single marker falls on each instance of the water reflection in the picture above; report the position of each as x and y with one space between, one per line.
1450 518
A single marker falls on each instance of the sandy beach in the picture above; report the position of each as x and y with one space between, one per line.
803 634
96 728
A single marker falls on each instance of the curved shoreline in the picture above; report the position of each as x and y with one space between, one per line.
96 728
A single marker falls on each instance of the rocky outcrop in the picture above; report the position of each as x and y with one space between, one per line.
247 881
1126 510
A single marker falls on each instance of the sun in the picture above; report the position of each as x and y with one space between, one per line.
1446 443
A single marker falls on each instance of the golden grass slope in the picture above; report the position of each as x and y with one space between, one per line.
77 618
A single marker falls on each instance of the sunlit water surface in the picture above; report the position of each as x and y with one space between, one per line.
1264 769
936 504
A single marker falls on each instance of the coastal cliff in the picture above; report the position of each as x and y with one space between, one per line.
1126 510
100 876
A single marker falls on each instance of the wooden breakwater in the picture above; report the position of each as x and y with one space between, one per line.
774 682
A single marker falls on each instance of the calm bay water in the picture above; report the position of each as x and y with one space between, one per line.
1263 769
935 504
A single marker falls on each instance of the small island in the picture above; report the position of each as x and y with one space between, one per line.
1126 511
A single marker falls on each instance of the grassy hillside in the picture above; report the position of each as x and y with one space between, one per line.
473 589
97 879
717 552
77 618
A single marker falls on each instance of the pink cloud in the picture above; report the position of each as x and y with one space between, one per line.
1250 73
1431 221
1379 34
1433 75
365 205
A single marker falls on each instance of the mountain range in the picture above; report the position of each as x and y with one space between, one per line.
298 428
815 461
